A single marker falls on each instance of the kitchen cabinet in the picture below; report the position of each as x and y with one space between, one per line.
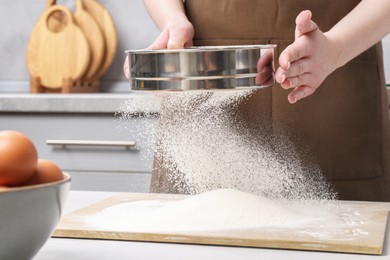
121 160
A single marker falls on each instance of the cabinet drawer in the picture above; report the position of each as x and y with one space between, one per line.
104 128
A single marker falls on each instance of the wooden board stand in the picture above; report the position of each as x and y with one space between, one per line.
68 86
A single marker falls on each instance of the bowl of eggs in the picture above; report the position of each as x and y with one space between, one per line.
33 192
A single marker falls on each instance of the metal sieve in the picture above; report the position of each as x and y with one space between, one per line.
202 68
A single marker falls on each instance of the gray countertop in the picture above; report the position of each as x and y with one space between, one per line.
80 103
142 102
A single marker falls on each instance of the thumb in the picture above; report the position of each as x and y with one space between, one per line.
126 68
176 41
304 24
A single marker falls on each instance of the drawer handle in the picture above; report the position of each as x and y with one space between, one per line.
126 144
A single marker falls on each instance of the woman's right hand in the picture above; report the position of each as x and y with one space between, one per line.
176 35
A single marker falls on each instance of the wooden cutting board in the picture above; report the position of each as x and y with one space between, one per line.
94 37
57 49
365 235
107 27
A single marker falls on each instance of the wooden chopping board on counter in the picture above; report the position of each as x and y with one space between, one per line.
57 48
107 27
69 52
364 234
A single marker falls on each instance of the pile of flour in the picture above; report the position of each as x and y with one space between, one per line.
223 209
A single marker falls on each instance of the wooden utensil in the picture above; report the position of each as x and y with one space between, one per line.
57 51
93 34
33 46
94 37
107 26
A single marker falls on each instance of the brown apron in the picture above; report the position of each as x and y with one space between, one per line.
344 126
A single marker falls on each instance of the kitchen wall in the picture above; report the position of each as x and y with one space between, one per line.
134 27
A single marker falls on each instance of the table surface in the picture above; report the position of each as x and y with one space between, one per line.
60 248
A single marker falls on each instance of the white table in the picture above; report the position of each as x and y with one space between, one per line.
85 249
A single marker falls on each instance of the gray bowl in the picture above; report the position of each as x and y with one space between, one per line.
202 68
28 216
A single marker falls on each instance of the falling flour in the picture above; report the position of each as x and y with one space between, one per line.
141 110
203 146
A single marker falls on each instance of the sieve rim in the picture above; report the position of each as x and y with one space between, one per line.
203 49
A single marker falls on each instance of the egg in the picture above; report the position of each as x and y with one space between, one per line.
46 171
18 158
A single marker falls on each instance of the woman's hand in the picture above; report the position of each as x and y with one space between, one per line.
306 63
175 36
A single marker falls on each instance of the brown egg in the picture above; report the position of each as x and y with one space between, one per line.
18 158
46 172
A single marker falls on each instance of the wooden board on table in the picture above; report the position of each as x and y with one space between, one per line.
368 240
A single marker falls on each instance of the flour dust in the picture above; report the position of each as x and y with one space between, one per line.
138 116
203 145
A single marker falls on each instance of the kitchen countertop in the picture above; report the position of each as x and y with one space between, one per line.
64 249
82 103
78 103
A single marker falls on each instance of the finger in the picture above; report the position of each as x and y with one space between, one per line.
126 69
293 82
304 24
299 93
264 77
176 40
161 41
265 68
174 45
295 51
265 60
280 75
284 59
189 44
289 55
298 68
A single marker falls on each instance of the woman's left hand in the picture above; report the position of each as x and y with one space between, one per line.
306 63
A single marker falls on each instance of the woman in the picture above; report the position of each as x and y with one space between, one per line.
344 126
